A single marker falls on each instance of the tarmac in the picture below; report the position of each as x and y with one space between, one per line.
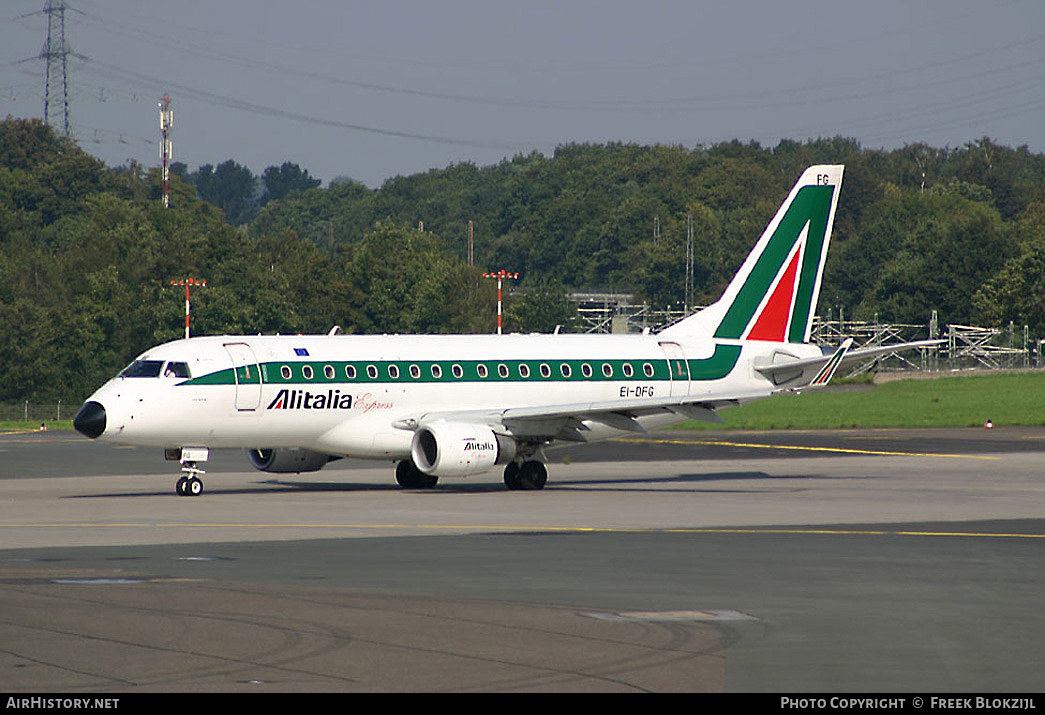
866 561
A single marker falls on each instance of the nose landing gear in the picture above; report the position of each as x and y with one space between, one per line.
190 484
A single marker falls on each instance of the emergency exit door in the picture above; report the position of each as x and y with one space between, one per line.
679 368
248 376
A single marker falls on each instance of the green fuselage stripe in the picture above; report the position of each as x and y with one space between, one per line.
496 371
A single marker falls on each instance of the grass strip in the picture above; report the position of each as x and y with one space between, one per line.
961 401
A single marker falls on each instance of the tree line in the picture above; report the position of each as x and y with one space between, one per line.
87 252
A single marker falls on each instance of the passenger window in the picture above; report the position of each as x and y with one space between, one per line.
350 372
437 371
371 372
565 370
586 370
481 369
524 370
502 370
457 370
545 370
415 371
607 369
648 369
286 372
306 372
328 370
393 372
628 370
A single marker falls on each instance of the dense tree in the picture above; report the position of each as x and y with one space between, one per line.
1016 293
541 307
406 280
230 187
280 181
87 253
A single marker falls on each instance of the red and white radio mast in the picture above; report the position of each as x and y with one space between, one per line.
501 276
187 282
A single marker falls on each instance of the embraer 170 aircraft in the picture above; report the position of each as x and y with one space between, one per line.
456 405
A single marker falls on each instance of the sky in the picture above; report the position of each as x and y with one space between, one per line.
372 90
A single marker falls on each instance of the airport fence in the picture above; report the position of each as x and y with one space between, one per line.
37 413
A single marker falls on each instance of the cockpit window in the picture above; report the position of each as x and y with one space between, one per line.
177 369
143 368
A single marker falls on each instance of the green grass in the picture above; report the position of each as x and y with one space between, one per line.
965 401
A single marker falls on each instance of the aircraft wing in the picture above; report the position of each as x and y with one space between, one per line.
567 421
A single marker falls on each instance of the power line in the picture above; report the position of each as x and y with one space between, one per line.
261 109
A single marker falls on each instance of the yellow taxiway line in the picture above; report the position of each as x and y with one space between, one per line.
508 528
795 447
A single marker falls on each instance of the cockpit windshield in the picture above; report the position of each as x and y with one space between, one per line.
177 369
153 368
143 368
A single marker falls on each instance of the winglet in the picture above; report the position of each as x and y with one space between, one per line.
828 371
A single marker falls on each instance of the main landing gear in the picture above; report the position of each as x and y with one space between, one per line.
527 476
410 477
518 476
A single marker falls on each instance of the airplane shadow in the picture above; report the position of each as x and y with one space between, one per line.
271 486
681 483
643 484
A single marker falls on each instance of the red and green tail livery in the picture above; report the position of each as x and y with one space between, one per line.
774 295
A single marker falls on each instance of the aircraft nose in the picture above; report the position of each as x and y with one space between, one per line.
90 420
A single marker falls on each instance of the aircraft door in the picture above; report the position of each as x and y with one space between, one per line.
679 368
248 376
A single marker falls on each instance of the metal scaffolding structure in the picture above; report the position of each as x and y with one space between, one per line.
618 313
962 347
876 334
993 348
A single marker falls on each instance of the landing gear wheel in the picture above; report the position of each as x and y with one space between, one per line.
528 476
410 477
511 476
190 485
533 475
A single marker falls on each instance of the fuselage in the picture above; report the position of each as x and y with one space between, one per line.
348 395
457 405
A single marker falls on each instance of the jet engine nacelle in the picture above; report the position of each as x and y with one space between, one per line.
284 460
452 449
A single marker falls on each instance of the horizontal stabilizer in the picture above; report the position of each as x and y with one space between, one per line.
828 364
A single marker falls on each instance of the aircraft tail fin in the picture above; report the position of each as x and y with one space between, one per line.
774 294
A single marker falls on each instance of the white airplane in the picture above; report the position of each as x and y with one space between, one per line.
457 405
